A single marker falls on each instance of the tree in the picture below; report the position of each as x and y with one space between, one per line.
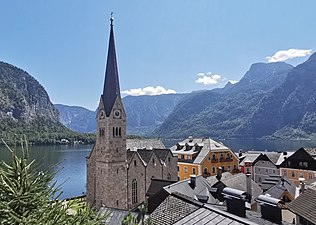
29 196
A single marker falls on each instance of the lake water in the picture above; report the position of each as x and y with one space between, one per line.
72 159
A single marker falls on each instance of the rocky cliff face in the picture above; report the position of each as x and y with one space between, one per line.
289 110
222 112
22 97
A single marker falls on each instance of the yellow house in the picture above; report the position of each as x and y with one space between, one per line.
203 156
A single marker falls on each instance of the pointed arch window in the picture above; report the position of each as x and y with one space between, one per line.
169 176
134 191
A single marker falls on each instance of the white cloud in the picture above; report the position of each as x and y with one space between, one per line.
148 91
233 81
208 79
284 55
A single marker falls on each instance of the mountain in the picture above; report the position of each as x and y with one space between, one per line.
289 111
77 118
25 108
144 113
221 112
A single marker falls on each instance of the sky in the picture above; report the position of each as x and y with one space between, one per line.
162 46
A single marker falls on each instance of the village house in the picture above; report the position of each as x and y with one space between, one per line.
202 156
301 165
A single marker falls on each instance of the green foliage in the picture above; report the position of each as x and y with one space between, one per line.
29 196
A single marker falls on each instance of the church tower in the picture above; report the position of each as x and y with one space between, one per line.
106 164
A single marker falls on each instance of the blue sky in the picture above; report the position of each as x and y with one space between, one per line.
171 44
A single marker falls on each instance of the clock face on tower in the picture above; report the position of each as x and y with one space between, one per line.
102 114
117 114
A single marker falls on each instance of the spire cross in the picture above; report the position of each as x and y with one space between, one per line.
111 18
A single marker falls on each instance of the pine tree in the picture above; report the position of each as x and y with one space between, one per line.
29 196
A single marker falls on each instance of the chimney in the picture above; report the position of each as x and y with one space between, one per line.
284 153
193 181
240 153
271 208
219 173
302 184
249 187
235 201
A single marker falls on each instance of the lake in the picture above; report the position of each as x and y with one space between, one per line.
72 159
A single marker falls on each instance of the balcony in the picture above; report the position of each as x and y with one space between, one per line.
222 160
214 160
229 159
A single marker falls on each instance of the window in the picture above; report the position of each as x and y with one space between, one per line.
193 171
235 167
285 173
209 158
182 156
223 167
205 170
259 169
301 175
168 176
305 164
214 157
153 161
310 176
213 169
247 170
134 191
267 171
273 171
178 168
222 155
259 179
135 163
300 164
178 178
169 159
228 168
185 169
293 174
288 163
117 171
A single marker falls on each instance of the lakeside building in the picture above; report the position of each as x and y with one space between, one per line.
301 165
119 172
203 156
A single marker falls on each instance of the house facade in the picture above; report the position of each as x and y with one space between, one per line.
203 156
300 165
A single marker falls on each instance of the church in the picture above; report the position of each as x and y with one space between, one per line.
120 170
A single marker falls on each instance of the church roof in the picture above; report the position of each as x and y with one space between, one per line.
138 143
111 89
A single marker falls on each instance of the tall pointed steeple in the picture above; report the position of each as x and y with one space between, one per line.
111 87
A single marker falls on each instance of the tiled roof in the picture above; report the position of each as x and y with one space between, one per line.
311 151
181 210
283 156
145 154
115 216
237 181
161 153
273 156
157 185
305 205
280 188
172 210
134 144
201 145
202 188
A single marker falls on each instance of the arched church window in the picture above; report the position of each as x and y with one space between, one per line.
134 191
120 134
116 131
113 132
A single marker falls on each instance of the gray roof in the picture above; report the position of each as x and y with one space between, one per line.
115 216
237 181
202 189
157 185
280 188
145 154
311 151
273 156
138 143
111 89
179 210
204 146
305 205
